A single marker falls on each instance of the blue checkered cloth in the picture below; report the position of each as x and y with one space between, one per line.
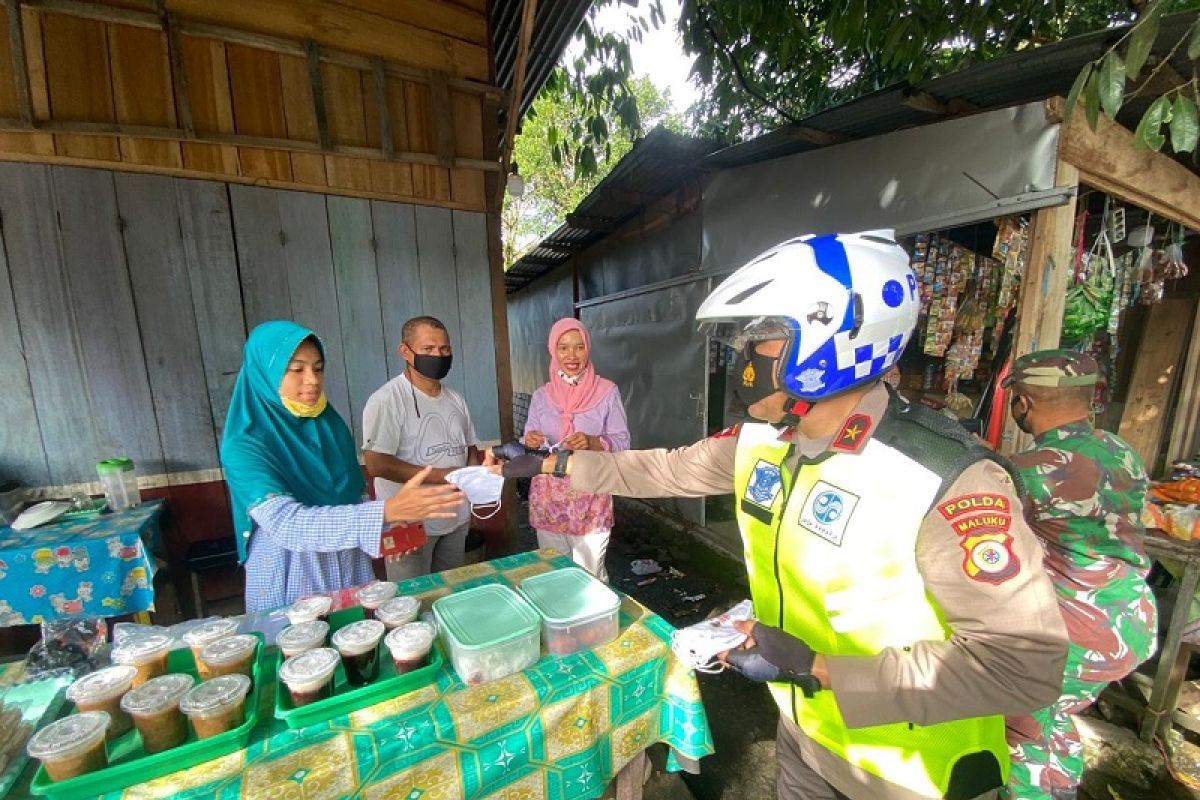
298 550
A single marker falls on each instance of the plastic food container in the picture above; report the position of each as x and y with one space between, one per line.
409 645
489 631
217 705
309 608
72 746
102 691
228 656
295 639
154 707
309 676
207 633
578 612
358 645
373 595
119 482
398 611
146 654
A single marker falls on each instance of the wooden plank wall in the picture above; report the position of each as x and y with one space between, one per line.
125 300
323 80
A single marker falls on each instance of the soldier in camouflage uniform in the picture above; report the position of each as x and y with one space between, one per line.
1083 491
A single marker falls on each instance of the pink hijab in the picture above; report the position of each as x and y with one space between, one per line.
591 389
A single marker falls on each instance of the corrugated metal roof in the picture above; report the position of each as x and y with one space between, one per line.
1022 77
656 166
554 23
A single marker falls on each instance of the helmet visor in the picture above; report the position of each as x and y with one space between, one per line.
740 335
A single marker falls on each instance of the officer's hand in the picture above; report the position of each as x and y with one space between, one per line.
523 466
508 450
785 651
749 662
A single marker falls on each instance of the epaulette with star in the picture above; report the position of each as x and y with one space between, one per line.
853 433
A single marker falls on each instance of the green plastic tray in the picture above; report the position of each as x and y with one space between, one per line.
346 699
129 764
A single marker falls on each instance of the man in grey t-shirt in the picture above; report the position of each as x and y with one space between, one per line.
412 422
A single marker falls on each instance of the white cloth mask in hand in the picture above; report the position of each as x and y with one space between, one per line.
699 645
480 485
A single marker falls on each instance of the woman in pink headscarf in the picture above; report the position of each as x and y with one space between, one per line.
577 410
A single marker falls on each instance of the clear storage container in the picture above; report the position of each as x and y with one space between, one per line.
578 612
489 631
119 482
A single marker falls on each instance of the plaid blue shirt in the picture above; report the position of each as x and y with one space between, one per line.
298 550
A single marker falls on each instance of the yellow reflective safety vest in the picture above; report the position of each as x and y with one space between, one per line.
831 555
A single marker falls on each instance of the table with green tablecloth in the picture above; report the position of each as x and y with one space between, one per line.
561 729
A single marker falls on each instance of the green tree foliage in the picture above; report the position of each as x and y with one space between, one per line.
555 176
1105 84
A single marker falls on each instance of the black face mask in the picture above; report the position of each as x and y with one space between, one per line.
1022 419
433 367
755 378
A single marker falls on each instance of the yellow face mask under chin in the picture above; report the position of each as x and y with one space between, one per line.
304 410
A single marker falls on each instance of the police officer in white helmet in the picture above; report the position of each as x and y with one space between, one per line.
902 609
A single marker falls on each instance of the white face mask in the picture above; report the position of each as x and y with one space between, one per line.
481 486
699 645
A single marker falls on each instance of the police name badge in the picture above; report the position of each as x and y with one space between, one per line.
827 511
765 483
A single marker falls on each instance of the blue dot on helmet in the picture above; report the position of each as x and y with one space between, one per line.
893 293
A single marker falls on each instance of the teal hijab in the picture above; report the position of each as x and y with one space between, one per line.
268 451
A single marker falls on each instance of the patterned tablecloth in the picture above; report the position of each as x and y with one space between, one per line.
561 729
98 567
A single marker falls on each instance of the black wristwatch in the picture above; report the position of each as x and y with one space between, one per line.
560 463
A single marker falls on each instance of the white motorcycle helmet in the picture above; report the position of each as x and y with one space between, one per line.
846 304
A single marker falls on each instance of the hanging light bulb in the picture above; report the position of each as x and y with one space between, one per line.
516 184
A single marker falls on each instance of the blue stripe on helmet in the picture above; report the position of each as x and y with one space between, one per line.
832 260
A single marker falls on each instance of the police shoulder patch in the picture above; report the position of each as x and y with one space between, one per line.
989 557
853 433
975 503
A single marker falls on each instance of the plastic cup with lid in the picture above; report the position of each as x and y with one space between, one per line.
207 633
358 644
154 707
373 595
217 705
409 645
309 608
72 746
309 676
102 691
398 611
146 654
233 654
295 639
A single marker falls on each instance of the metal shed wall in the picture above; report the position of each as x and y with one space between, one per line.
907 179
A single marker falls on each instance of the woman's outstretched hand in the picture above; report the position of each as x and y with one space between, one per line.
415 502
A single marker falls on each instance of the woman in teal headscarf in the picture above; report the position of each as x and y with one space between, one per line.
292 469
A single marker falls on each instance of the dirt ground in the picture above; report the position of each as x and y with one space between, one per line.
743 717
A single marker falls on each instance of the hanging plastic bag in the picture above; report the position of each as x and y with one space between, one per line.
1089 302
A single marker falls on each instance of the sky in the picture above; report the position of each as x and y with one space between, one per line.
660 53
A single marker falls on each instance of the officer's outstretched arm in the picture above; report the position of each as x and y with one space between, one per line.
702 469
983 566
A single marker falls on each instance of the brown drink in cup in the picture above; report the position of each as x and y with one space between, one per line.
146 654
229 656
205 634
72 746
217 705
154 707
102 691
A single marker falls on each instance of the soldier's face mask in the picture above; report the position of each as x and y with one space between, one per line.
1019 407
755 376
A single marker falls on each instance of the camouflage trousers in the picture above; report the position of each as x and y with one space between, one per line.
1048 754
